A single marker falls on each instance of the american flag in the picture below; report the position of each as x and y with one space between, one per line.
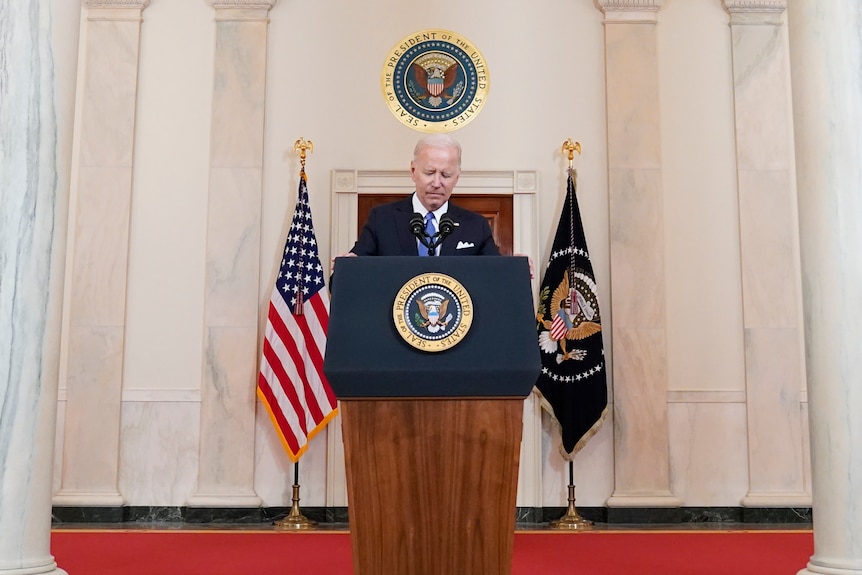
291 383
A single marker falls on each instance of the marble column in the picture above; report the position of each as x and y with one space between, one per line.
641 450
771 293
825 64
226 466
28 317
94 328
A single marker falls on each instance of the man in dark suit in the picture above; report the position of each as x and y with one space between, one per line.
435 169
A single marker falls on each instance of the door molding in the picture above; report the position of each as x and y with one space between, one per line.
348 185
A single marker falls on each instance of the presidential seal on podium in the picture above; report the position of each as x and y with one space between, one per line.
435 81
432 312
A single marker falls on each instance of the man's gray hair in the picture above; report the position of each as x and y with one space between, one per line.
440 141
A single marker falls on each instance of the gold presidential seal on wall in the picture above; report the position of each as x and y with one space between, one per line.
432 312
435 81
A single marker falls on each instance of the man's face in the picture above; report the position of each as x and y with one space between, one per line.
435 172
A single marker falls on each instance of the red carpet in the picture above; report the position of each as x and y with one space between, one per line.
117 552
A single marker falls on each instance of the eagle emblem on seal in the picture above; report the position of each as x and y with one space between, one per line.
573 314
433 311
435 82
435 78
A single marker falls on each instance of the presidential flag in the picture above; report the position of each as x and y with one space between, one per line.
291 383
572 384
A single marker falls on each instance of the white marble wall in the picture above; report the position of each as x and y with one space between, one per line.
826 56
771 294
163 429
180 426
28 346
709 447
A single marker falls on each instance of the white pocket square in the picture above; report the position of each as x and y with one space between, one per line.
462 245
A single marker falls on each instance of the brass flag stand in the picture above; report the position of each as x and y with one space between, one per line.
571 520
295 520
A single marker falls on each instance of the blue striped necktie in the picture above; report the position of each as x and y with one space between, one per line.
430 230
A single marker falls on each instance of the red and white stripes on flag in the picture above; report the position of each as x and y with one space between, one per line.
558 326
291 383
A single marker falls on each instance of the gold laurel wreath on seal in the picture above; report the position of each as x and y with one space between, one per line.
439 62
403 310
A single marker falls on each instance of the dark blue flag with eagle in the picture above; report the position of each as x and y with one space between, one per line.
572 385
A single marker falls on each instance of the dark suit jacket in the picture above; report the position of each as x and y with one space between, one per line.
387 233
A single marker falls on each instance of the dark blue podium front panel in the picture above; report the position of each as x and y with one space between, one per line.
367 358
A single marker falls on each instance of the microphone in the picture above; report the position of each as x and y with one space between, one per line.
447 226
417 225
417 228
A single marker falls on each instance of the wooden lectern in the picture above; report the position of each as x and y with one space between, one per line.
432 440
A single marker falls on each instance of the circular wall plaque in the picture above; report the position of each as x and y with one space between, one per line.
435 81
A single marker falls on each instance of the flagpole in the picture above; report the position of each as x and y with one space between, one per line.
295 520
571 520
301 146
570 146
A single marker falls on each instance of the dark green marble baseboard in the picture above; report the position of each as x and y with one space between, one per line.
524 515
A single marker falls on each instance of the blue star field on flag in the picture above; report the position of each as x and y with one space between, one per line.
301 273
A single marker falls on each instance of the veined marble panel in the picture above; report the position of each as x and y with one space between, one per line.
238 95
98 296
57 475
774 383
158 452
637 245
96 293
764 138
708 445
231 312
640 370
632 97
770 261
640 411
770 271
104 196
100 260
233 247
90 443
226 466
109 93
